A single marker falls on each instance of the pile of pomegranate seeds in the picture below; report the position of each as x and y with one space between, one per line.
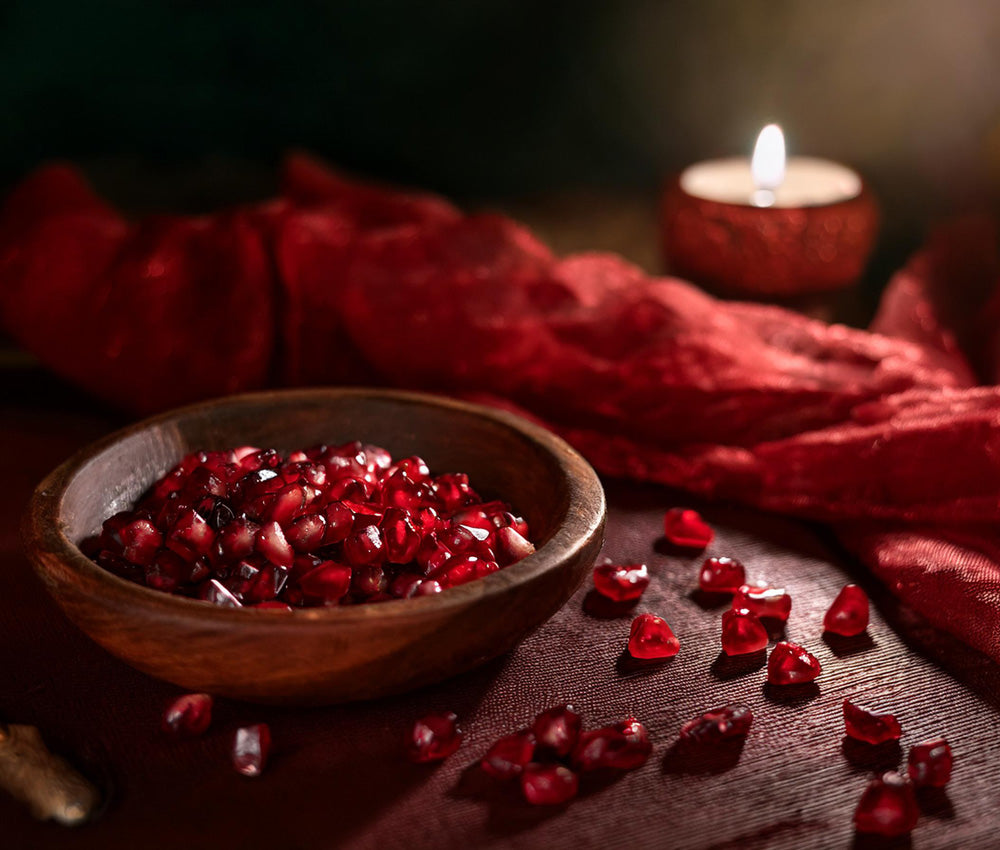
791 664
887 807
330 525
621 582
867 726
721 575
190 714
433 737
652 639
685 527
848 615
251 747
730 721
930 763
549 757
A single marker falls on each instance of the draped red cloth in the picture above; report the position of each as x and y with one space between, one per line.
887 435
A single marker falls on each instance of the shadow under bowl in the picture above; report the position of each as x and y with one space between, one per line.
321 655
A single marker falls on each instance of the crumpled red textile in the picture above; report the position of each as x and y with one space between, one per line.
886 436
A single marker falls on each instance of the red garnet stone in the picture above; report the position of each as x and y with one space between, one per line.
848 615
930 763
651 638
791 664
868 726
887 807
434 737
621 582
685 527
742 632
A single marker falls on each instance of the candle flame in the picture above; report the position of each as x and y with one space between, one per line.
767 168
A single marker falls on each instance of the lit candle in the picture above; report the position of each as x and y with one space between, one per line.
769 226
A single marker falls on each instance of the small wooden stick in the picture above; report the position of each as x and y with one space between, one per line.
47 784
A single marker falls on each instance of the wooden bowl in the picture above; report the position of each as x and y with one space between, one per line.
321 655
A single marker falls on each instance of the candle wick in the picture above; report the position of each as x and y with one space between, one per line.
762 198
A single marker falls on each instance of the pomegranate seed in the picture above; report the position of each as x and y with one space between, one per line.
930 763
510 547
168 571
367 581
685 527
742 632
509 755
306 533
887 807
621 582
730 721
459 569
414 467
790 664
651 638
327 584
426 587
287 504
557 729
190 714
404 585
453 491
848 615
770 602
868 726
434 737
140 542
624 746
401 539
190 536
721 575
237 540
339 523
365 547
548 784
218 594
251 747
271 543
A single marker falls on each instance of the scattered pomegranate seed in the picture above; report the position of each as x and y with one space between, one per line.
251 748
868 726
651 638
557 729
887 807
930 763
434 737
190 714
721 575
623 746
621 582
548 784
685 527
244 526
742 632
771 602
509 755
730 721
848 615
791 664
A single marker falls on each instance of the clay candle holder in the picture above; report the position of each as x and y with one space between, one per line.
768 228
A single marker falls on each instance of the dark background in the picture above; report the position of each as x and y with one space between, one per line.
189 104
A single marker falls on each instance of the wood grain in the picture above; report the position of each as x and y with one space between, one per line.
321 655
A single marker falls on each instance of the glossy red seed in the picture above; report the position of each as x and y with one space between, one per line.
237 540
791 664
729 721
368 581
271 543
623 746
770 602
651 638
306 533
930 763
557 729
887 807
140 542
426 587
742 632
509 755
190 536
190 714
288 504
868 726
685 527
848 615
401 537
510 547
327 584
365 547
168 571
721 575
218 594
251 748
621 582
548 784
434 737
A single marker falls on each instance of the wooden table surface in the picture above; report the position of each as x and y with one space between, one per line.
338 777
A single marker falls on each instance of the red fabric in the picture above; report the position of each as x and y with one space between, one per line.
884 436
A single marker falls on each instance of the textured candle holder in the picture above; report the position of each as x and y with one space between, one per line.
767 252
